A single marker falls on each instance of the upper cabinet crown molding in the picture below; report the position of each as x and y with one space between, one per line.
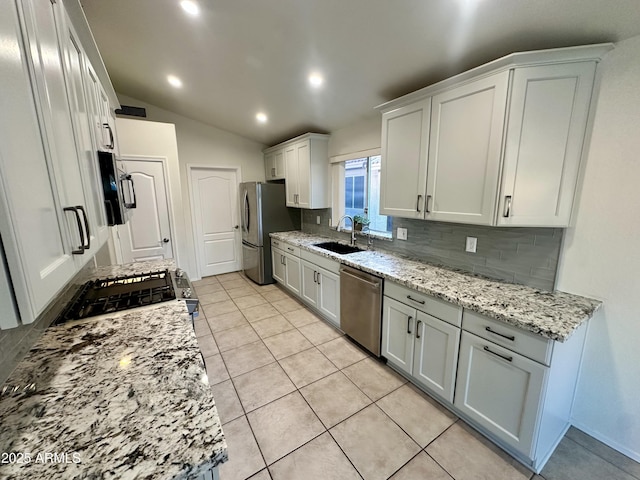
498 145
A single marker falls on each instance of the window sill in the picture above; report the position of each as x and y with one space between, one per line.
388 236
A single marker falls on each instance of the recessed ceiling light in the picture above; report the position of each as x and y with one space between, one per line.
316 80
174 81
190 7
261 117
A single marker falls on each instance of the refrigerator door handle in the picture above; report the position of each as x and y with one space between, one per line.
245 202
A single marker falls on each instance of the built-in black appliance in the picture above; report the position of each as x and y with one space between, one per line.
114 294
118 187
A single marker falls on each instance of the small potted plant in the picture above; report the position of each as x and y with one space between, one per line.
360 222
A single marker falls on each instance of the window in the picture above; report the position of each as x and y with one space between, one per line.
362 192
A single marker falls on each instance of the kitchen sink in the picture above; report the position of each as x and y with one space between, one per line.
336 247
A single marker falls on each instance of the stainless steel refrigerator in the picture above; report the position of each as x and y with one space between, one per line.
263 210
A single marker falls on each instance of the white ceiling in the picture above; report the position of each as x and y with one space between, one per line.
241 56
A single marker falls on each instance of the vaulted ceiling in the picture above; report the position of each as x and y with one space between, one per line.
240 57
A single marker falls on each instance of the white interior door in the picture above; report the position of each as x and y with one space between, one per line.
147 234
214 204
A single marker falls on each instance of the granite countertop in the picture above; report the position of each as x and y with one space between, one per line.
555 315
125 395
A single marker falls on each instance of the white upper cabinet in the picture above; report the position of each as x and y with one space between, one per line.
274 165
464 151
306 164
498 145
547 123
405 141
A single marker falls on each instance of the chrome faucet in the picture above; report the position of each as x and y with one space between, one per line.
353 228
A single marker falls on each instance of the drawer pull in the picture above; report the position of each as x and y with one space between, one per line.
508 337
504 357
421 302
290 249
409 325
418 328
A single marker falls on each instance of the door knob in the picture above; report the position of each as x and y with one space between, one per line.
165 240
236 227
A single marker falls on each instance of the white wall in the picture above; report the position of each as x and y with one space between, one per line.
201 144
600 258
363 135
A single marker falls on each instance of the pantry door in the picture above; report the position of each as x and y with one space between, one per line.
147 234
214 213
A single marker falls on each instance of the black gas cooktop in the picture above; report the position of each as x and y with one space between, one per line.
109 295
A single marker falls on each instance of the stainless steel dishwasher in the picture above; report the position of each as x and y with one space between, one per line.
361 307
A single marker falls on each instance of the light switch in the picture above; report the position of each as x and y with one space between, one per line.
472 244
401 233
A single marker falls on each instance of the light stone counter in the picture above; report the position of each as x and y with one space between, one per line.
555 315
126 394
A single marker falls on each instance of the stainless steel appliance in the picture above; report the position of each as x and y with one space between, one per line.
114 294
118 187
263 211
361 307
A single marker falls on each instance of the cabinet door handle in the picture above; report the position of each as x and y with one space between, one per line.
418 328
418 203
273 171
318 278
507 206
80 249
504 357
426 204
421 302
86 227
508 337
409 324
315 277
284 260
111 140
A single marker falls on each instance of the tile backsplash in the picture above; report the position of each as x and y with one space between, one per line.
528 256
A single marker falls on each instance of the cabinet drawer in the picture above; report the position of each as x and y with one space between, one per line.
285 247
425 303
321 261
515 339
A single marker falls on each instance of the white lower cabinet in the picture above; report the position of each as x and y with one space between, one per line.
419 344
500 390
277 265
286 269
321 289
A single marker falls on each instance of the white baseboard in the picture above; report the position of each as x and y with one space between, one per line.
607 441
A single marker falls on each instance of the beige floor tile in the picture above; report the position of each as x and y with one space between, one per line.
205 281
216 370
334 398
287 343
265 288
208 346
259 312
227 401
250 301
286 305
572 460
215 297
319 332
226 321
321 458
301 317
261 475
244 455
421 466
235 337
220 308
240 292
262 385
283 425
201 327
272 326
246 358
466 455
342 352
209 288
306 367
231 284
227 277
373 378
422 418
274 295
375 444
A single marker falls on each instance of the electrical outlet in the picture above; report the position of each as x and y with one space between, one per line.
472 244
401 233
318 219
